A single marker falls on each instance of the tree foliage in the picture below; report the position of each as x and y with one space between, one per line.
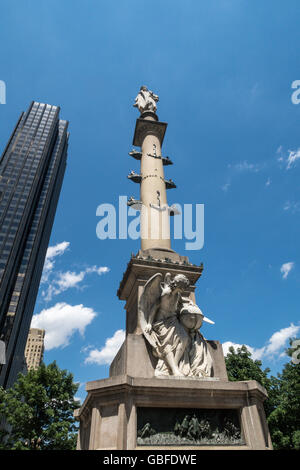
283 404
284 421
38 410
240 366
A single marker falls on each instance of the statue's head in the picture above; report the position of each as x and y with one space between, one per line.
180 281
144 88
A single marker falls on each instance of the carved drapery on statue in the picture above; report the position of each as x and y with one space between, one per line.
170 323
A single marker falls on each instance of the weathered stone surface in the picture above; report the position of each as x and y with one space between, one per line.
170 323
136 359
141 267
109 414
110 417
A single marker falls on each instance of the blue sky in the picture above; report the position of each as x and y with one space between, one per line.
223 70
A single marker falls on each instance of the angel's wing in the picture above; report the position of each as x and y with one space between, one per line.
150 296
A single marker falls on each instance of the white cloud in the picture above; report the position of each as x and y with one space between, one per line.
292 206
279 339
286 268
289 161
273 347
61 322
229 344
292 157
61 281
108 352
52 252
69 279
57 250
268 182
279 152
245 166
255 353
94 269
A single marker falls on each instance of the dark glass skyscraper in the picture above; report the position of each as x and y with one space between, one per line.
31 174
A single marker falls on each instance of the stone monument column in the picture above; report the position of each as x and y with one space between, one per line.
155 226
168 385
155 212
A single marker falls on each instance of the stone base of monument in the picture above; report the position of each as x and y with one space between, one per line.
132 409
127 412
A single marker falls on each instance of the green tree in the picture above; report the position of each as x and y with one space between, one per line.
284 421
240 366
39 410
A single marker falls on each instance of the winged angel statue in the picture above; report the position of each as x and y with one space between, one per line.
170 323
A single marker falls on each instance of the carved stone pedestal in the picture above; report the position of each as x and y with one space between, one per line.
133 409
118 411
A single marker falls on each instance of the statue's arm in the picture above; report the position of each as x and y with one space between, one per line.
154 96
